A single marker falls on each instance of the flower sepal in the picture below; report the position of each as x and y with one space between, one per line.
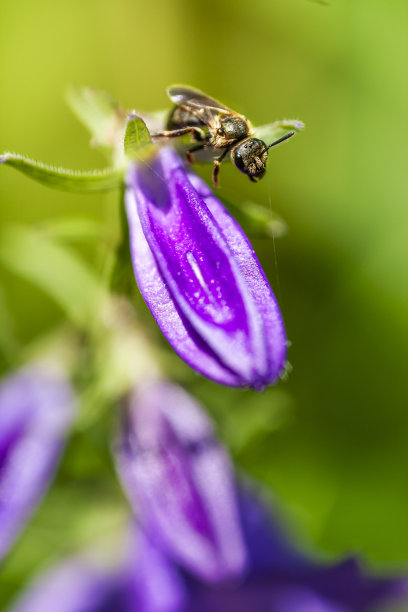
78 181
137 143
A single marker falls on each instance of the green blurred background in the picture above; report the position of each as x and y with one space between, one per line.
332 441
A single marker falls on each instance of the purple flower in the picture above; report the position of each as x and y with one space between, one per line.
36 409
209 541
180 481
150 582
203 543
200 276
312 588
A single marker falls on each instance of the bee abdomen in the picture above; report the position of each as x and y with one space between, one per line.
180 117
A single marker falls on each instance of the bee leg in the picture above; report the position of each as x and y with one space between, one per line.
216 167
189 153
195 131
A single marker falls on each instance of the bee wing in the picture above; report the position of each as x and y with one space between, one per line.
194 98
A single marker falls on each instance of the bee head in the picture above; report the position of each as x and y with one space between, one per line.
250 157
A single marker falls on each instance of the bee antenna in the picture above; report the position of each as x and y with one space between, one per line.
280 140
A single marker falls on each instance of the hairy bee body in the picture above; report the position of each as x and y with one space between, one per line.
222 130
181 117
211 124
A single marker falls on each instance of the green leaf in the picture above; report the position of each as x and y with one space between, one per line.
8 341
257 220
264 413
137 138
74 229
273 131
64 179
55 269
101 115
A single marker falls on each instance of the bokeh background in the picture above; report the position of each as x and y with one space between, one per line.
330 444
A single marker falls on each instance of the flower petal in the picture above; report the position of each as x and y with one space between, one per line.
349 584
200 277
180 480
144 581
255 279
281 571
153 583
260 596
269 547
73 586
36 409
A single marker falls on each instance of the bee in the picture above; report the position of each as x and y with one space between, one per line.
211 124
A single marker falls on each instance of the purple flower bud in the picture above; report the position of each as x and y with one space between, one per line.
180 481
36 408
200 276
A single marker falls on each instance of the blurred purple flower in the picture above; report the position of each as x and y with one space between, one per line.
36 409
150 582
200 277
179 560
207 542
156 585
180 482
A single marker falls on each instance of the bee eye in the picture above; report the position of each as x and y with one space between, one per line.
238 159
